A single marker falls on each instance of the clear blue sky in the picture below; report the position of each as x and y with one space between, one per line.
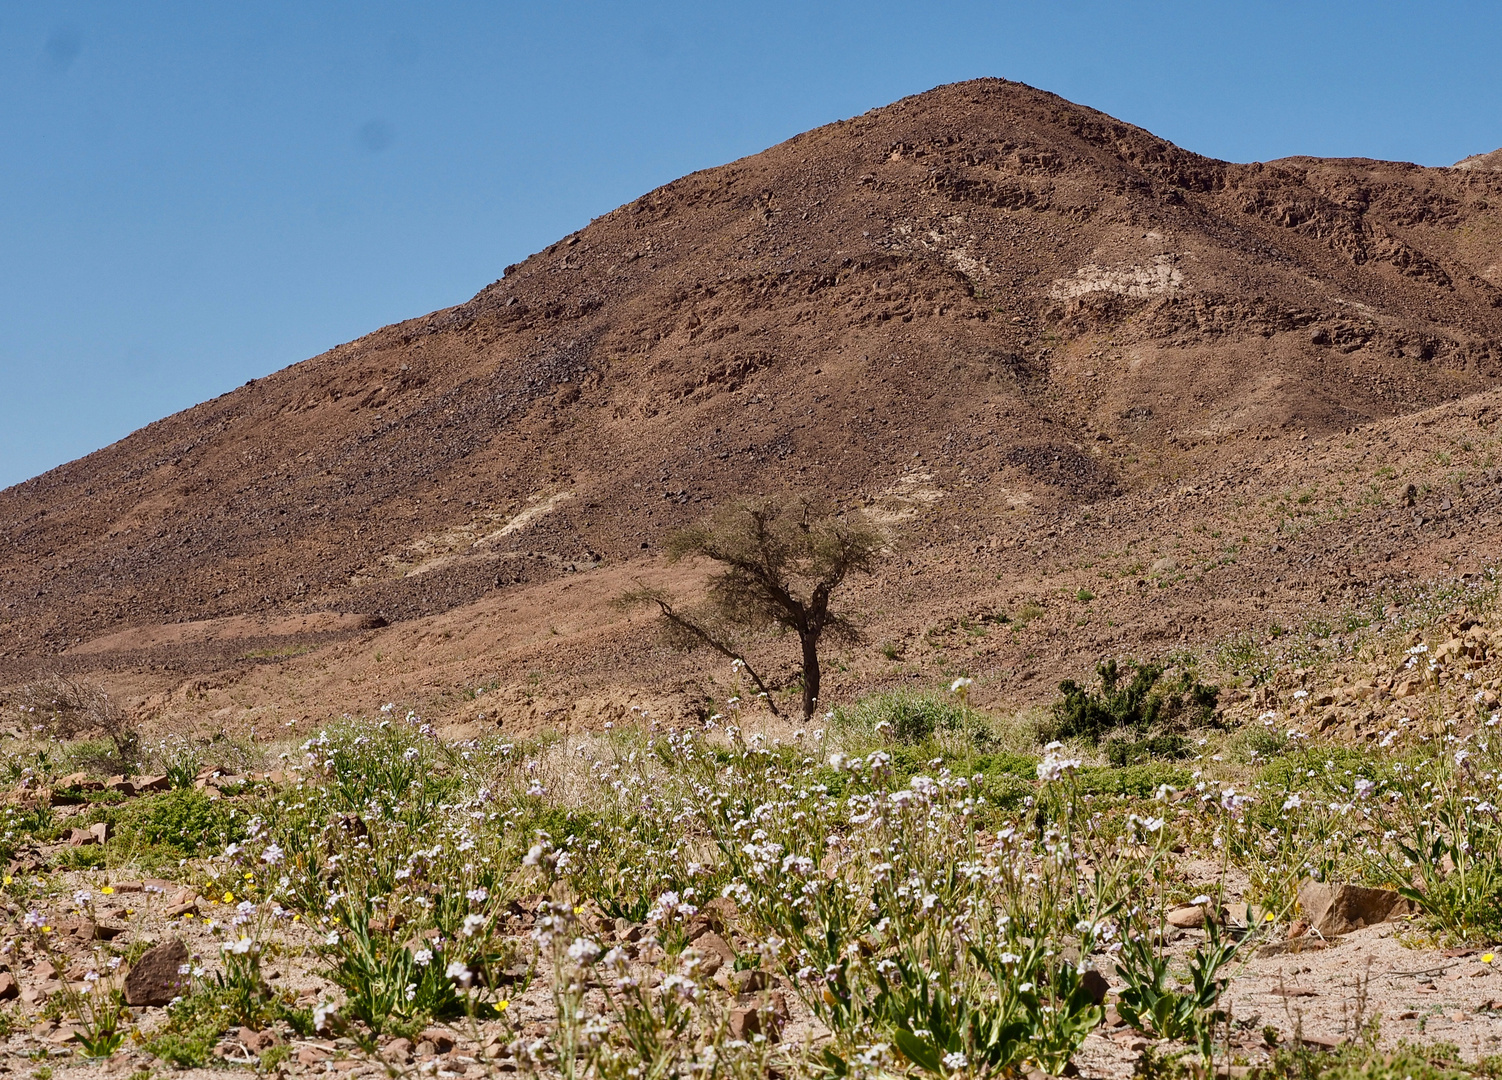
193 194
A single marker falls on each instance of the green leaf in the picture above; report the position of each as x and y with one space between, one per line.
918 1051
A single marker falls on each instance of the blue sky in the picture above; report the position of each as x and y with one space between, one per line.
192 195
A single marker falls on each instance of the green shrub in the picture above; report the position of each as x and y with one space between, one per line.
193 1026
1330 770
1151 699
1360 1061
185 820
1139 780
1123 752
910 717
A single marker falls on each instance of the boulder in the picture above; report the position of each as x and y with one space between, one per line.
1333 908
1187 916
154 979
9 991
745 1022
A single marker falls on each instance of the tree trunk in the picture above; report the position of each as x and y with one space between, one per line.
810 674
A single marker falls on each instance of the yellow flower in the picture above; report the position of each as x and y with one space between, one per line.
130 911
1268 917
249 876
296 917
1487 958
229 898
187 914
8 879
46 929
108 890
503 1005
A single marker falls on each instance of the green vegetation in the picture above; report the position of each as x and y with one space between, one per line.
1152 699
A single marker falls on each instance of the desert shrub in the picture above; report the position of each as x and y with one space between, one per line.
1141 781
909 718
64 709
1361 1061
184 819
1152 698
1128 751
1328 770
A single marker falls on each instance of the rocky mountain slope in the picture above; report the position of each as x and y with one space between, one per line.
1040 344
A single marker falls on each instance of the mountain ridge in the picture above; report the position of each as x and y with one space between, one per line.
1013 295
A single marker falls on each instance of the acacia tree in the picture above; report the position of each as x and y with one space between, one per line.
780 564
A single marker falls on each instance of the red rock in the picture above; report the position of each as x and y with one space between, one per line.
154 979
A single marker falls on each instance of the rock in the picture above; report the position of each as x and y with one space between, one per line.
745 1022
80 781
87 930
1187 916
97 833
627 931
151 783
127 886
179 910
1333 909
9 990
723 908
1096 985
397 1051
443 1041
312 1055
425 1049
749 982
154 979
258 1042
33 996
712 943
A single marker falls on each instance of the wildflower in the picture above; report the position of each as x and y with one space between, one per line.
240 946
332 939
422 957
959 684
1052 768
955 1060
323 1012
1363 787
82 897
472 925
477 896
1293 802
272 855
583 951
463 975
1487 958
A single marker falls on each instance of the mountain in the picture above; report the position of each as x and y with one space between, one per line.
1013 328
